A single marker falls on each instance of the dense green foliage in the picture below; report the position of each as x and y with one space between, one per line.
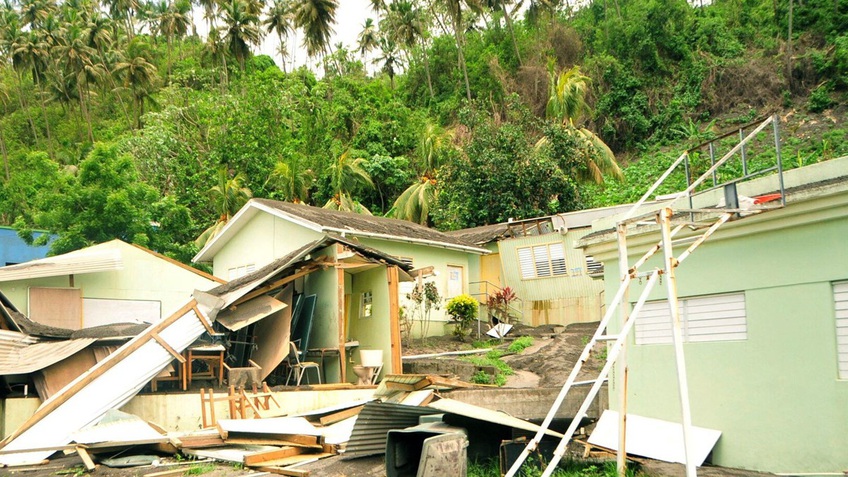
118 121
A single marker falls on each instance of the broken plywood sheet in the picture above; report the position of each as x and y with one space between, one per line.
272 335
231 453
249 312
269 426
109 384
654 438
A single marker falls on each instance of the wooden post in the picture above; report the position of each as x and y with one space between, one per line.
340 315
394 319
624 310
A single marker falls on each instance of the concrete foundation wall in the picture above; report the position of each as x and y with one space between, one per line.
181 412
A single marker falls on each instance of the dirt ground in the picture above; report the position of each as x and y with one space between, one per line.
546 363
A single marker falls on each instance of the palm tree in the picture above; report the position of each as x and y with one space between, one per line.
125 10
100 39
138 74
316 18
455 9
228 196
174 23
407 26
414 204
368 38
240 30
279 20
388 58
12 37
567 104
215 52
4 98
292 180
346 173
32 51
209 13
77 57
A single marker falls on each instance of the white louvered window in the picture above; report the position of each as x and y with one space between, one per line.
706 318
594 268
541 261
840 298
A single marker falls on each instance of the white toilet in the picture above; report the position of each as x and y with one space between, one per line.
371 363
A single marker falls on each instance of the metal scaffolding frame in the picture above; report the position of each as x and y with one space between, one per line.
667 218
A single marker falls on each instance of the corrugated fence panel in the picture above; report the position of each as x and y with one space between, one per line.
375 421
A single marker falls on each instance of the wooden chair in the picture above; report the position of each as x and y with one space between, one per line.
298 368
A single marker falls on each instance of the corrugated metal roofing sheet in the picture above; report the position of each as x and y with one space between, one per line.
73 263
375 421
25 355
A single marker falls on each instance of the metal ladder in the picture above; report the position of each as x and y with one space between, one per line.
664 217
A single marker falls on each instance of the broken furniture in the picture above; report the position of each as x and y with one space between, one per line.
248 376
212 355
298 368
323 353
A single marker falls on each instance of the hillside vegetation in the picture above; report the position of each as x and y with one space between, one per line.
119 121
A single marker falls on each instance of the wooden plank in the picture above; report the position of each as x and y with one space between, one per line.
282 439
394 320
86 458
284 471
340 416
179 357
163 473
279 283
86 379
258 458
297 460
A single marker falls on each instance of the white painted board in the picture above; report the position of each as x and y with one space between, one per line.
654 438
104 311
271 425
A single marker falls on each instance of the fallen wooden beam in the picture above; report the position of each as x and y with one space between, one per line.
340 416
252 460
284 471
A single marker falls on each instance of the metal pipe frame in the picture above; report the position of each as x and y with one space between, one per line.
657 183
611 358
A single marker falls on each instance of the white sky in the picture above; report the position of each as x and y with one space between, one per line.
350 17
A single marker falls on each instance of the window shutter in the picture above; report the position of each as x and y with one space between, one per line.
653 324
525 262
558 259
594 268
840 297
716 318
543 265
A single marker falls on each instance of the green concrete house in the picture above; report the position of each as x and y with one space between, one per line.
265 230
112 282
764 312
537 259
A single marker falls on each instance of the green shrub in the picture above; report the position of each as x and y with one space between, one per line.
819 99
520 344
462 310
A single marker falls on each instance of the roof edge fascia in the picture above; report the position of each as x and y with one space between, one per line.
395 238
212 246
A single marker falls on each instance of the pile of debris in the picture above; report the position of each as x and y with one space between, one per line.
406 419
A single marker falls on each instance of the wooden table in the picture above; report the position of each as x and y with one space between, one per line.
212 355
324 353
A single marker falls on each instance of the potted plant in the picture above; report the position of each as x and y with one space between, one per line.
462 310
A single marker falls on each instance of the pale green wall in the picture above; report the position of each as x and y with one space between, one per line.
776 396
424 256
144 277
325 326
575 298
260 241
373 332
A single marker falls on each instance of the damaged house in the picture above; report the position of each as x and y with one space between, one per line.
265 230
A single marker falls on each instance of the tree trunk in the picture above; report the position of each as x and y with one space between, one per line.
46 122
282 49
427 68
84 111
115 89
457 24
511 33
168 80
3 149
789 48
25 109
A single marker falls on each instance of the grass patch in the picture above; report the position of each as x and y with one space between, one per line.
520 344
199 469
567 468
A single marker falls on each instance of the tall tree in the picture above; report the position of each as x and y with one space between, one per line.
228 195
138 74
406 23
100 39
388 59
78 61
13 36
346 174
416 203
32 51
241 29
174 23
455 9
567 105
316 18
503 7
368 38
279 21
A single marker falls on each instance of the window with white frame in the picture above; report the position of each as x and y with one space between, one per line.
367 304
840 299
704 318
241 271
541 261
